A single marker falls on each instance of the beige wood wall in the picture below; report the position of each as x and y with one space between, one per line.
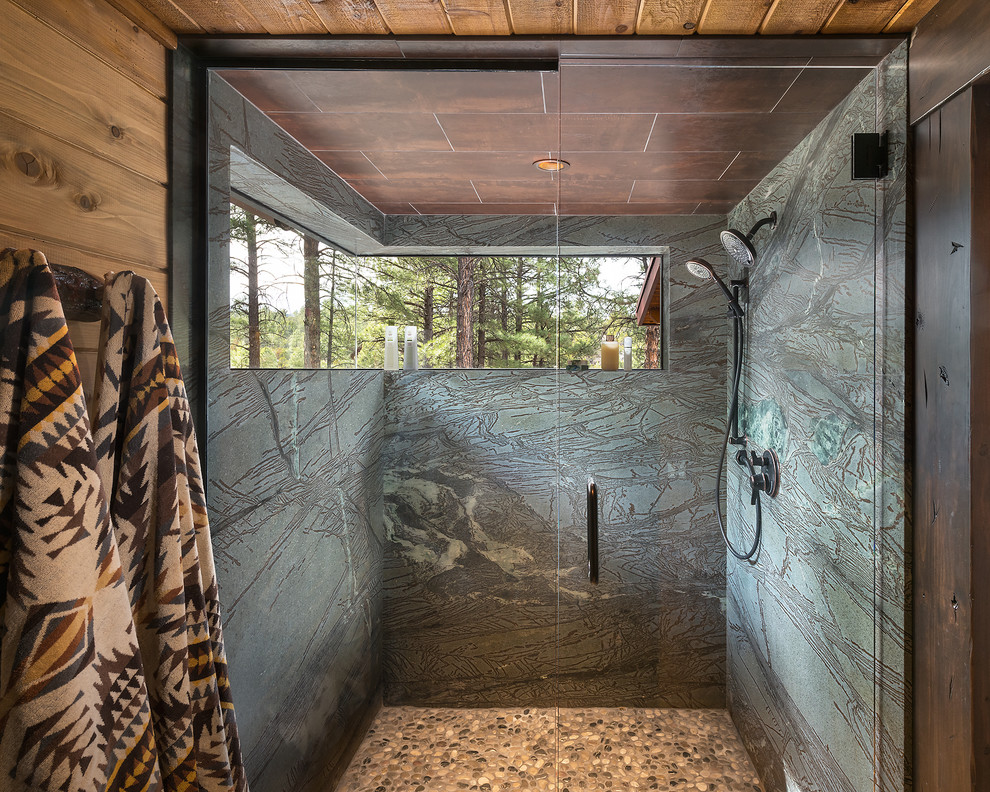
83 171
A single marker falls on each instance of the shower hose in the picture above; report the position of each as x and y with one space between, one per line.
732 422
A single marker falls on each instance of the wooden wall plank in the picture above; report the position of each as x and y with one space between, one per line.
412 17
351 17
948 52
91 261
733 17
141 16
854 17
478 17
911 13
606 17
980 439
668 17
68 195
539 17
942 492
109 35
73 70
797 17
54 86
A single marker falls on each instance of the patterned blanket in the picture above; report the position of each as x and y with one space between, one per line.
74 709
149 463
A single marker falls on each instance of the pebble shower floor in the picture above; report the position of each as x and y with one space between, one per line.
412 749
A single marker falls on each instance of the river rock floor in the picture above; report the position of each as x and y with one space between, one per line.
414 749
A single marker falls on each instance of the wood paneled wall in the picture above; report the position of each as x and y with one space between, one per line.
952 508
948 52
950 109
83 169
943 601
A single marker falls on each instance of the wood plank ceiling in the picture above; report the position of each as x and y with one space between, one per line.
540 17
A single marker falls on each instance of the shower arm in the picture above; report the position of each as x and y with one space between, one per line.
770 219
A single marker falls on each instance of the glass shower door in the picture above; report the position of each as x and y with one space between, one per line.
648 635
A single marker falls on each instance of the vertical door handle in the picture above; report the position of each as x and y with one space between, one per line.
592 531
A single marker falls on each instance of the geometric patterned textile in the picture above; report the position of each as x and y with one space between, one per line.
74 707
148 462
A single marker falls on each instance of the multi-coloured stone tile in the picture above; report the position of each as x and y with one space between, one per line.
413 749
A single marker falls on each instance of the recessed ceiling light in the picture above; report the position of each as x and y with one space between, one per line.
551 164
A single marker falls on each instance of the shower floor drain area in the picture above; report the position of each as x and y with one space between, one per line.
413 749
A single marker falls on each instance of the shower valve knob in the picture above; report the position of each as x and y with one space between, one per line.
769 480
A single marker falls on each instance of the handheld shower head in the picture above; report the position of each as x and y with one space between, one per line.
739 246
702 269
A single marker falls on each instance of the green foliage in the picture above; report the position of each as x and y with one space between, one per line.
534 311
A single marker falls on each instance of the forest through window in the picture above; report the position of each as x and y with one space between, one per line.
299 303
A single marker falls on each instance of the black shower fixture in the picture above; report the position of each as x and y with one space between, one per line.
702 269
739 246
766 480
870 158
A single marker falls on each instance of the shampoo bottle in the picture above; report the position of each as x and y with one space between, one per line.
610 353
391 348
627 354
410 355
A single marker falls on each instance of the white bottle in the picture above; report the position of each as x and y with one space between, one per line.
627 354
410 355
391 348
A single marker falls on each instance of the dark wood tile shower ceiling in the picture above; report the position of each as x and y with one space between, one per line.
642 137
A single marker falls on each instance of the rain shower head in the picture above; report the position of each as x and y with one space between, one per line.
739 246
702 269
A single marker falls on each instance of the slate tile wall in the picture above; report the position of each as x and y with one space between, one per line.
480 469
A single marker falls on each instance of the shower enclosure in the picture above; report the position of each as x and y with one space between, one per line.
420 539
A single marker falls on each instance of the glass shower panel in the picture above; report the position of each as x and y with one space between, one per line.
674 620
647 636
803 619
470 458
293 481
391 534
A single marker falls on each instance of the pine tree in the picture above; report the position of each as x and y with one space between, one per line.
311 296
465 311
